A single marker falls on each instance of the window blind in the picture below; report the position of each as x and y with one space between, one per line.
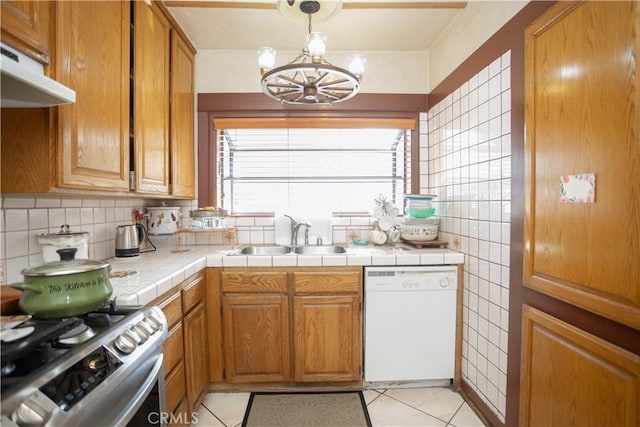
311 170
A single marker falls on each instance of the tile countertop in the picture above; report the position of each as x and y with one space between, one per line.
140 280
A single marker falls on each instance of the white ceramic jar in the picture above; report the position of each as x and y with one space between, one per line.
163 220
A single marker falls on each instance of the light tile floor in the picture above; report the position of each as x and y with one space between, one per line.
387 408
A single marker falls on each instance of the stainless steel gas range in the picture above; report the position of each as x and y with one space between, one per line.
101 369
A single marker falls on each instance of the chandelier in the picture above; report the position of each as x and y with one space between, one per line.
309 78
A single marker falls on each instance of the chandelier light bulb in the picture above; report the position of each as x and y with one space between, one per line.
266 59
356 65
316 45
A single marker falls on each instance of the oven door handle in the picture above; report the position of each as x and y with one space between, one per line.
155 376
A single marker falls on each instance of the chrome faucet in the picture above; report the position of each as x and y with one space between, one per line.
295 228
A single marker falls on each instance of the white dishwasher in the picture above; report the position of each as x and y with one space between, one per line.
410 324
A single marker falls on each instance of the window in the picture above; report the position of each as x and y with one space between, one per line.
310 170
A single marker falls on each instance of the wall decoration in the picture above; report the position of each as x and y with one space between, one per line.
578 188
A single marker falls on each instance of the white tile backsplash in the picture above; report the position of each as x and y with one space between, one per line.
469 158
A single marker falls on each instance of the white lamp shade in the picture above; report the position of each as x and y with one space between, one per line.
356 64
316 44
266 58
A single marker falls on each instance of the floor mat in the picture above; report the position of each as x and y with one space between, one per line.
317 409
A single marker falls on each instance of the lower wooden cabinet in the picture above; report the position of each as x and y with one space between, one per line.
196 361
327 338
291 325
570 377
256 338
185 350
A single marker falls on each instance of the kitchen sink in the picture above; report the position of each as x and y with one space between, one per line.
283 250
320 250
261 250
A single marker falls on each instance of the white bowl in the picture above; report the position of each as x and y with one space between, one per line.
419 233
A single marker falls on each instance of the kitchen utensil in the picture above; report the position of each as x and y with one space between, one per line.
207 218
419 197
418 232
163 220
414 212
128 240
385 223
64 288
50 243
378 237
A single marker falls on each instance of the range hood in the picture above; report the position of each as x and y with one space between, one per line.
24 84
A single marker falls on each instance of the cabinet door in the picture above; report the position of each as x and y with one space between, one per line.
195 354
570 377
25 26
182 120
327 338
582 117
151 99
93 59
256 338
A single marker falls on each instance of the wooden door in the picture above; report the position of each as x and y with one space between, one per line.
93 59
582 125
256 338
327 337
572 378
25 26
182 119
151 99
196 354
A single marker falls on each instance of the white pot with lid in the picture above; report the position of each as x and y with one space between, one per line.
50 243
163 219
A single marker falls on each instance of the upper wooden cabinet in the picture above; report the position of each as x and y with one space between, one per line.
127 117
151 47
81 146
26 27
182 118
93 59
582 83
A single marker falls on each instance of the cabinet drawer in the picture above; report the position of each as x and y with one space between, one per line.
172 309
173 348
333 282
193 293
254 282
175 387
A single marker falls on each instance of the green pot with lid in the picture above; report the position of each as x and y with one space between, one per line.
65 288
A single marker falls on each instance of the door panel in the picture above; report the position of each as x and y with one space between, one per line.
583 116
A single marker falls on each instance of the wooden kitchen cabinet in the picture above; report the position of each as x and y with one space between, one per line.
127 117
579 359
195 340
25 27
185 350
255 318
584 253
85 145
570 377
256 338
291 325
327 326
151 64
182 118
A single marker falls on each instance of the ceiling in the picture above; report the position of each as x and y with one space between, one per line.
356 25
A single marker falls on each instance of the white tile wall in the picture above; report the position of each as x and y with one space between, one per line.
468 145
22 219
